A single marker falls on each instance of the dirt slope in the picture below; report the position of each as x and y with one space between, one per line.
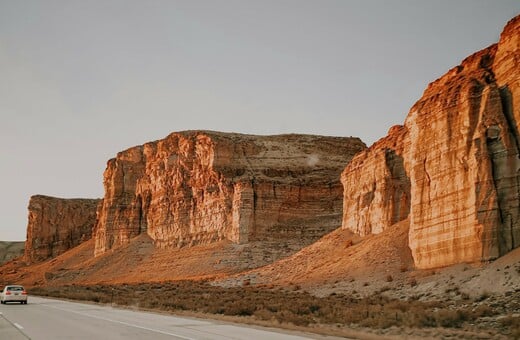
340 262
140 261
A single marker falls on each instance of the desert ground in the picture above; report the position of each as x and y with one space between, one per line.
368 289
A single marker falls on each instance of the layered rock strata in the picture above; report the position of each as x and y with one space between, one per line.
459 148
56 225
376 186
198 187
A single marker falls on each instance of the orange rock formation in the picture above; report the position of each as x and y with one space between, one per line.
56 224
453 167
200 187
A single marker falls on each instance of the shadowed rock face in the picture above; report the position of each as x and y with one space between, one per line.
56 225
198 187
455 161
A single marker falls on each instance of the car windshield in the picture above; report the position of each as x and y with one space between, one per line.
15 289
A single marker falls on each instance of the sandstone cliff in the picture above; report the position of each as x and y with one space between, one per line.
453 167
57 224
376 186
198 187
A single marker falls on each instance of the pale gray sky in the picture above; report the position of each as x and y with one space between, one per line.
82 80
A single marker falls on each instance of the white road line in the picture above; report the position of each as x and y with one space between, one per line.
120 322
17 325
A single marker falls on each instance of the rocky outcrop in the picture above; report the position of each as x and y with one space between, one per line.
57 224
198 187
459 147
376 186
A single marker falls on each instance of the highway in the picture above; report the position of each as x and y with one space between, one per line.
49 319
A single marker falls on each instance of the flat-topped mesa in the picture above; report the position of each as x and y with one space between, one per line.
198 187
56 225
460 150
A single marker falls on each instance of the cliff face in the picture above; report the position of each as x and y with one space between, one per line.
201 187
56 225
376 186
459 148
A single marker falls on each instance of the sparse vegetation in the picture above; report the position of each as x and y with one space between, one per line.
482 297
282 306
513 324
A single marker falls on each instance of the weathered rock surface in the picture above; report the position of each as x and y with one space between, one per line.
57 224
459 148
376 186
199 187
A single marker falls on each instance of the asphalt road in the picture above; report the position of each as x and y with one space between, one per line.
43 319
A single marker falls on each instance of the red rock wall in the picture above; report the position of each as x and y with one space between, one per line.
454 212
200 187
56 225
376 186
460 151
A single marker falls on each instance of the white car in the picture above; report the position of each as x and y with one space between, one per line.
13 294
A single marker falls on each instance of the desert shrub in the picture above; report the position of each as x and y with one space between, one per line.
283 306
379 320
450 318
512 326
419 317
482 296
239 308
398 305
263 314
483 310
314 308
289 317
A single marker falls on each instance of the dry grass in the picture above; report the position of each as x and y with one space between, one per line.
513 323
280 306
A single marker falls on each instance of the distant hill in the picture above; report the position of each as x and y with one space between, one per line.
10 250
